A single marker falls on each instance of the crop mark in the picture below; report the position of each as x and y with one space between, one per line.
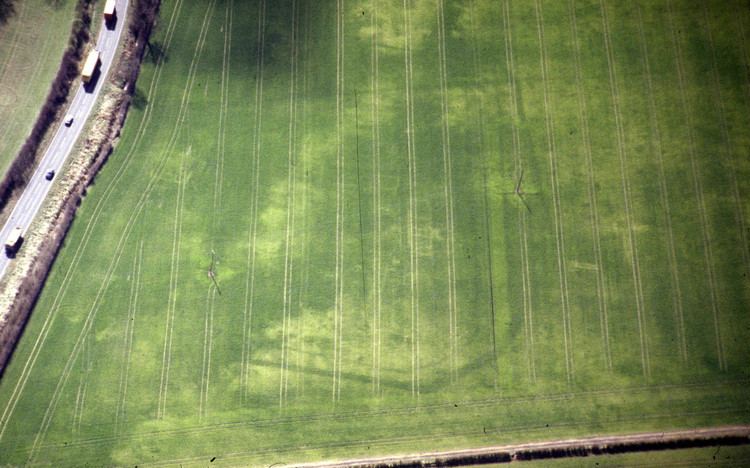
632 240
289 235
412 217
339 274
664 194
528 322
98 208
698 187
208 331
120 412
728 145
559 234
593 210
376 206
448 194
247 315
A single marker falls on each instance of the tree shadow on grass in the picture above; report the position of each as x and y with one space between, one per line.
7 10
139 100
155 52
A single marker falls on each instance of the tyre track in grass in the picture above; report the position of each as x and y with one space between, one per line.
20 25
625 180
247 315
376 205
339 266
728 145
528 309
119 249
208 328
559 233
83 384
397 411
448 193
601 293
305 217
120 412
413 222
427 459
290 199
663 194
698 187
108 190
179 205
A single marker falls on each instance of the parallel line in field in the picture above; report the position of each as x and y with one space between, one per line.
339 266
559 233
120 413
82 386
625 180
601 294
177 233
744 56
208 328
448 194
663 194
397 411
98 208
698 187
728 146
20 25
412 221
528 309
247 314
376 205
305 210
523 428
290 199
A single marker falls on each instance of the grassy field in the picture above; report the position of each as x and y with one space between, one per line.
334 229
32 43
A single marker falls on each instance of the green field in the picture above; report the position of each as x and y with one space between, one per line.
32 43
337 229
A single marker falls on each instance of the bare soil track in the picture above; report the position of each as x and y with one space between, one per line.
581 447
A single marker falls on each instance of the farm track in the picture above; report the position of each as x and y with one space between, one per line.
601 294
528 309
120 412
729 147
412 216
448 195
398 411
289 234
108 190
247 316
559 233
622 155
376 206
698 187
677 302
393 441
339 266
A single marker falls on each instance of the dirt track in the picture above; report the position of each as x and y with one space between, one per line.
726 435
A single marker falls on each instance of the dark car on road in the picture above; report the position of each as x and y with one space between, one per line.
49 175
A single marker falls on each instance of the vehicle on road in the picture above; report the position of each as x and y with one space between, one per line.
91 66
50 174
14 241
110 14
68 120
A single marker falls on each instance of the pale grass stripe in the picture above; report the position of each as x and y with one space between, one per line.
591 186
108 190
663 195
698 187
559 232
376 205
728 145
448 193
528 310
247 315
622 156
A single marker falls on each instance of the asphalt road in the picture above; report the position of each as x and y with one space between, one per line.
65 137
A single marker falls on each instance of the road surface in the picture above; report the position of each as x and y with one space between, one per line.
54 158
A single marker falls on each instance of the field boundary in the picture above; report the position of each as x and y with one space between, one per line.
580 447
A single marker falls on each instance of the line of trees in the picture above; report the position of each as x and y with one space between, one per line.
22 166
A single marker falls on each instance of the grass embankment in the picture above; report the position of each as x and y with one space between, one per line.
451 225
31 45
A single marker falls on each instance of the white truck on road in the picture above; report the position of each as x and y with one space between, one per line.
14 241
